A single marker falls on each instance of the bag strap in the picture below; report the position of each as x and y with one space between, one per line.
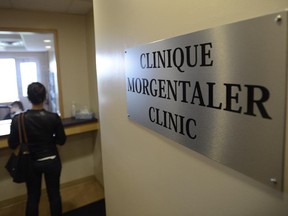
22 133
19 130
23 128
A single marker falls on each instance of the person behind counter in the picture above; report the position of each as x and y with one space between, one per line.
15 108
44 130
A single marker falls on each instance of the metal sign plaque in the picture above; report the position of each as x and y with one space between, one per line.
220 92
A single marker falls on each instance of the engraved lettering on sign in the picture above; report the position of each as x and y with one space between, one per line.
191 56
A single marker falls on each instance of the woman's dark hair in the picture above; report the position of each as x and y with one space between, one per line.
36 93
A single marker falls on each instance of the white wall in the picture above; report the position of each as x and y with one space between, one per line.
146 174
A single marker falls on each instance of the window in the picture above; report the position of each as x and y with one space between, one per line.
8 80
28 71
15 82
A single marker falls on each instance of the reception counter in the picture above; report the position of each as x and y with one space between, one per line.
72 126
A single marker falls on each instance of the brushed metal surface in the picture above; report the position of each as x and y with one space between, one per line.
232 108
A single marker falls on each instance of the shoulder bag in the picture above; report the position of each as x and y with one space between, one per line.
18 164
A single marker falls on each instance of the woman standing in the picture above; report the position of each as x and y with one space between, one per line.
44 131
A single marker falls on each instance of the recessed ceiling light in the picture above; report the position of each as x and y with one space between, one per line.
47 41
48 47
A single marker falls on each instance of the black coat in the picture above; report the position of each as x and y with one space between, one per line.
44 131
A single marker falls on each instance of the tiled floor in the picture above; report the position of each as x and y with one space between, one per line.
74 195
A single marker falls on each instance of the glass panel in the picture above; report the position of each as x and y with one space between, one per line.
8 80
25 46
28 72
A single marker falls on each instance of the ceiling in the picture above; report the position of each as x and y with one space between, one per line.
26 41
61 6
34 42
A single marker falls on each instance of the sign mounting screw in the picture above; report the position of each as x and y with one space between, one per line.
278 18
273 180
